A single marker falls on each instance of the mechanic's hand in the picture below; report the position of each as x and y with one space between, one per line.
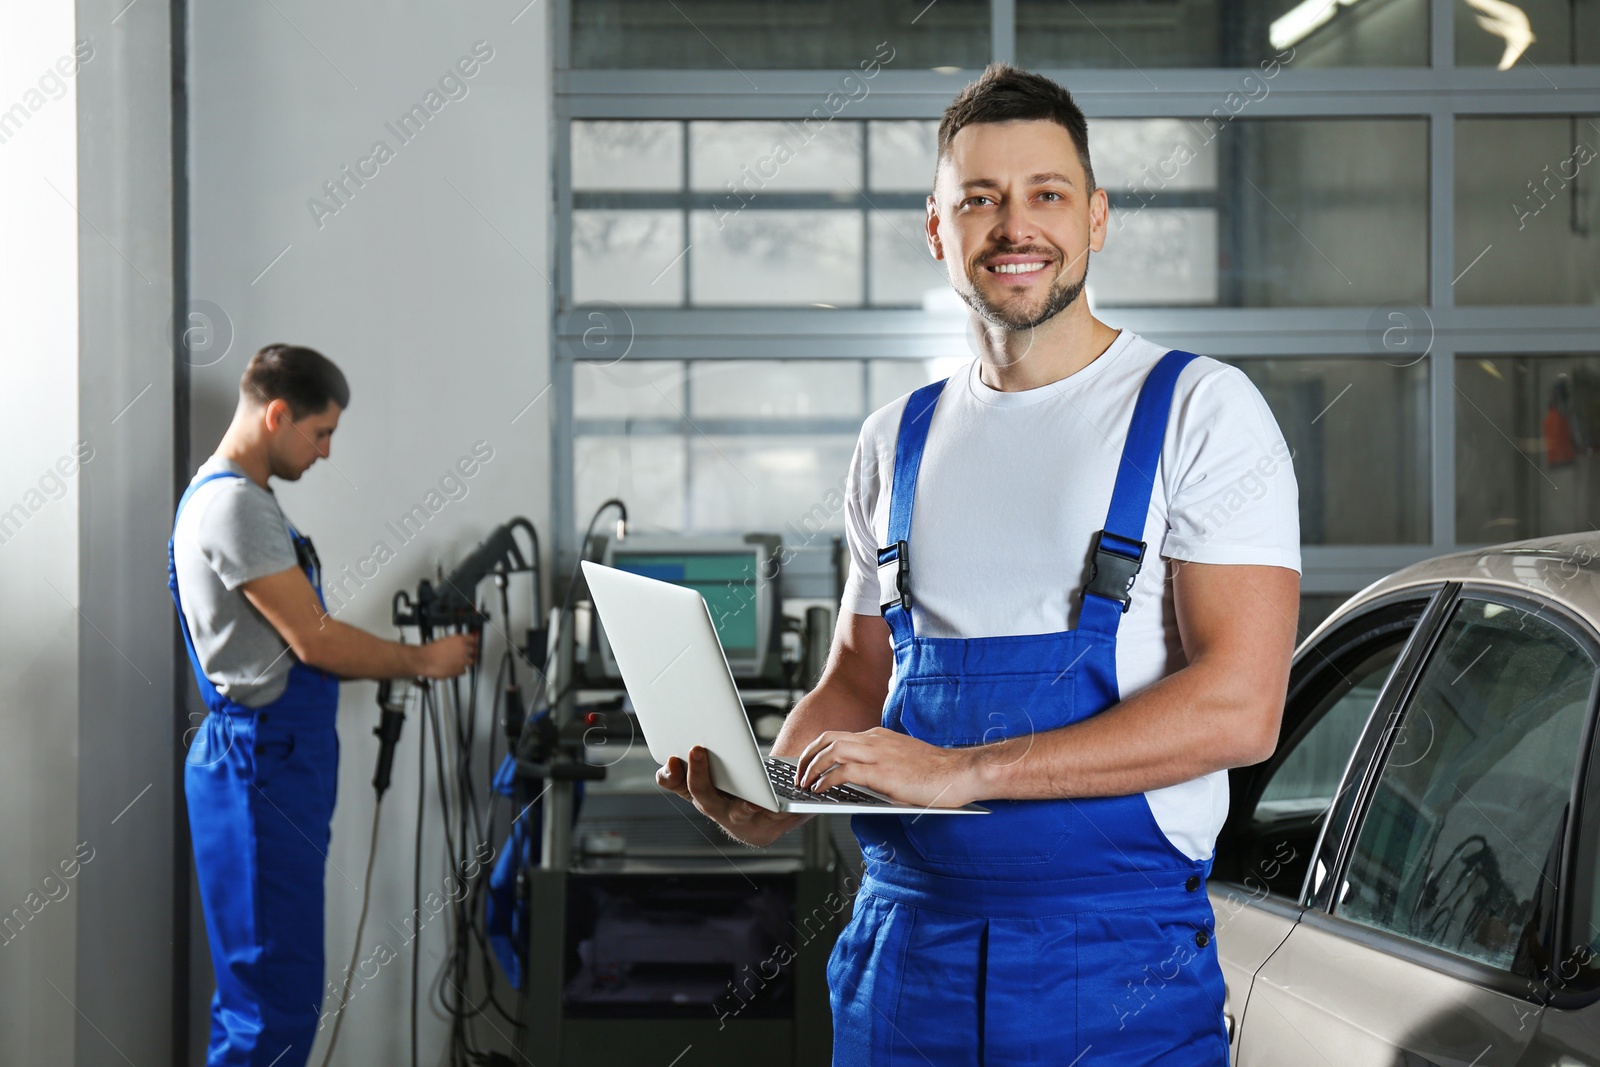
892 763
747 822
448 656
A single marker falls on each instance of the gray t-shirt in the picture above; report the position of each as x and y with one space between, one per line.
231 532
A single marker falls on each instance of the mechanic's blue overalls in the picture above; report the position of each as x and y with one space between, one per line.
260 784
1049 931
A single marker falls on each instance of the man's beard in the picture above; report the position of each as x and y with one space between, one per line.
1061 298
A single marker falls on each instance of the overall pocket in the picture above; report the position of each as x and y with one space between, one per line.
975 710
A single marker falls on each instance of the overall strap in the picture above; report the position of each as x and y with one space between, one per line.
183 501
214 700
1118 547
306 554
894 562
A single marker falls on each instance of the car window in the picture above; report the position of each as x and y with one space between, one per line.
1460 837
1307 779
1322 724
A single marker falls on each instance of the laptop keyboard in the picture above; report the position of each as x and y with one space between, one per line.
782 776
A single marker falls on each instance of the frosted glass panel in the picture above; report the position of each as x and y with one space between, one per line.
900 156
752 37
1147 155
890 379
647 472
902 268
759 157
1527 220
627 257
1528 430
776 258
1358 430
745 389
627 155
1222 33
1156 256
787 484
627 389
1556 33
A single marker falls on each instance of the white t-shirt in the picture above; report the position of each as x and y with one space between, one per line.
1013 486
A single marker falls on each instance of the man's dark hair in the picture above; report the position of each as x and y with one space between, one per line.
303 378
1004 93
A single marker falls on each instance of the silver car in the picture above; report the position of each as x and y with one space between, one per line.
1412 877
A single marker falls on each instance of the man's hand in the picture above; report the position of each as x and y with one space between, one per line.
747 822
448 656
892 763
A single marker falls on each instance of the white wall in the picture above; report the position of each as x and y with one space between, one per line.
88 771
38 425
426 288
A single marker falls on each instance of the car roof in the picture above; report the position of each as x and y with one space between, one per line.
1564 568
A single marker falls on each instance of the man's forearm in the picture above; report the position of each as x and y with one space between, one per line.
832 705
351 652
1186 725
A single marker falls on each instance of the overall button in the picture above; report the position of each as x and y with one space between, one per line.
260 747
1202 938
262 717
1193 883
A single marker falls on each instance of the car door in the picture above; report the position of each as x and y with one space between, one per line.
1432 913
1569 1028
1277 807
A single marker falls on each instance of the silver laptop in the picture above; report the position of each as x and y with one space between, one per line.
677 676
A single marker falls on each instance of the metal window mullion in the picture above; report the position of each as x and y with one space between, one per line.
688 445
563 450
1003 31
865 146
835 200
1190 92
1441 298
561 34
563 459
1442 433
1441 207
688 220
884 332
1442 34
721 426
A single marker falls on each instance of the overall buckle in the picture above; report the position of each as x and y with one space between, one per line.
894 586
1112 573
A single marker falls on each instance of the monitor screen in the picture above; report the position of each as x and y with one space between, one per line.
726 579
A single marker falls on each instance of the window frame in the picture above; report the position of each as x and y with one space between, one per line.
1373 754
1578 876
1331 848
1439 93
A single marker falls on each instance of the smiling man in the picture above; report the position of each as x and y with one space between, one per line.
261 770
1084 622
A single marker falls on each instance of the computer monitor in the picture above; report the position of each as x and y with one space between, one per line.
738 578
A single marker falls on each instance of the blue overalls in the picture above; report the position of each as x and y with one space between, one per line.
1055 932
260 784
